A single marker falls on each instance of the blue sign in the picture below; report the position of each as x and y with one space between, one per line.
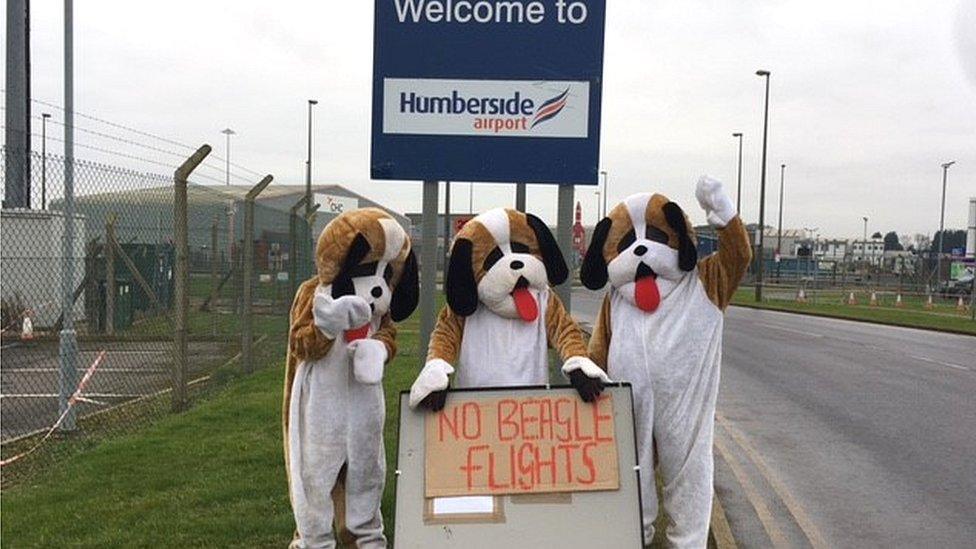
487 90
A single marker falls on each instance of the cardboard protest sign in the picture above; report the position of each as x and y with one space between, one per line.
520 444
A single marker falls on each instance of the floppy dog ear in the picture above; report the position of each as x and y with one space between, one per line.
552 258
687 254
593 272
462 292
407 291
342 285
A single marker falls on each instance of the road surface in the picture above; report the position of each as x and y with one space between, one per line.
833 433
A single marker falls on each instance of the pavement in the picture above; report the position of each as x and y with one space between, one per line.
831 433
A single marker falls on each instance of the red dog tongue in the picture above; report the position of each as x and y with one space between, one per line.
646 295
357 333
525 304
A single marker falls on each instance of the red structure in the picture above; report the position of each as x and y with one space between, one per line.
579 235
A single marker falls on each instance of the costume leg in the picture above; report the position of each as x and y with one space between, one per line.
684 429
316 436
366 471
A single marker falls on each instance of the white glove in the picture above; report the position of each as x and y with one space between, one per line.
713 199
334 316
589 368
368 357
432 378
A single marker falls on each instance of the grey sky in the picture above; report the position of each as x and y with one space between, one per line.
868 98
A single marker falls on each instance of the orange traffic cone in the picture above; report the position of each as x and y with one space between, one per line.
961 305
898 302
928 303
851 300
874 299
801 296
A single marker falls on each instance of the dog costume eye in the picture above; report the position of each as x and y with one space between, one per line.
626 241
520 248
388 273
365 269
492 258
656 235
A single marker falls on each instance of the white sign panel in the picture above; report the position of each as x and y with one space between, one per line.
330 203
491 108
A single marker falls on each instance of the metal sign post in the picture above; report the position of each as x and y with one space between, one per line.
428 265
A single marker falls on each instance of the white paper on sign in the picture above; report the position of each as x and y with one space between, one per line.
464 505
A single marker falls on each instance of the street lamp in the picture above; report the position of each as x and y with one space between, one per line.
598 218
308 162
228 132
779 230
605 193
945 174
864 243
44 117
762 189
738 185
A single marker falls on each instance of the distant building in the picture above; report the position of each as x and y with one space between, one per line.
870 251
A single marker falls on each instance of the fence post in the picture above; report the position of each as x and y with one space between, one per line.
110 275
182 275
247 319
310 215
214 278
293 248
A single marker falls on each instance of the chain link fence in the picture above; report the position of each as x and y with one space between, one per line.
120 374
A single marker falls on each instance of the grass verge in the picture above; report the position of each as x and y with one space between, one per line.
909 317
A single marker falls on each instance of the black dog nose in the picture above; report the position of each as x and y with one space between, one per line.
640 250
376 291
516 265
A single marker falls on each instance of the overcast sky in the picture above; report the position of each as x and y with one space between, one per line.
867 99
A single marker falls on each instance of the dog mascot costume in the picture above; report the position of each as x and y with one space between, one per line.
660 328
341 336
502 315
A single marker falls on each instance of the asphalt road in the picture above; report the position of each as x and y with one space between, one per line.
833 433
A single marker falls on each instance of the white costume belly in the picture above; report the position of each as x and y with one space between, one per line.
497 351
335 420
672 357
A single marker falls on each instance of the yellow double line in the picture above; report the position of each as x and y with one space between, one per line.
776 535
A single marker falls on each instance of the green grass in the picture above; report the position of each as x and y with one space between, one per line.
213 476
943 317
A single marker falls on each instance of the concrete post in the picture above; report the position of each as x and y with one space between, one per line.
181 302
17 106
247 319
295 236
67 338
428 265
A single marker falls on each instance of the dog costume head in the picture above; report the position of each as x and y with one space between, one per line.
497 258
365 252
644 247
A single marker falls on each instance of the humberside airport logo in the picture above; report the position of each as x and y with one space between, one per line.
490 114
486 108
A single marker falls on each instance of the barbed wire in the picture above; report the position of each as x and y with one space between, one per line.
141 132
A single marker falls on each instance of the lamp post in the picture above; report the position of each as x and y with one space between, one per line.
44 117
606 176
779 229
309 203
228 132
762 189
864 243
598 218
738 184
945 174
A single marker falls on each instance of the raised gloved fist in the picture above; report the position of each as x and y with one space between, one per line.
430 389
334 316
368 357
715 201
585 376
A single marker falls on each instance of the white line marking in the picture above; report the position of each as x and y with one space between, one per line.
103 370
939 362
55 395
791 330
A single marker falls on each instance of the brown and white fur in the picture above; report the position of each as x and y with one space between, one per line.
660 328
501 313
340 337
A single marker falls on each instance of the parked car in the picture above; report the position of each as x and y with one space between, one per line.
961 286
